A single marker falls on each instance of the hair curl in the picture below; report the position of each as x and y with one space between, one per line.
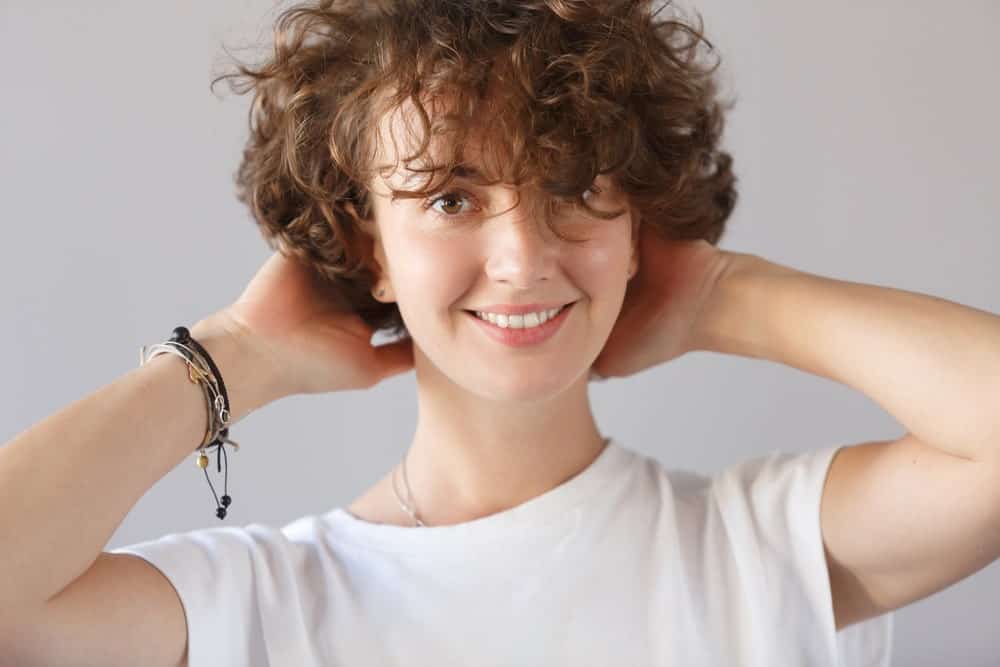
571 88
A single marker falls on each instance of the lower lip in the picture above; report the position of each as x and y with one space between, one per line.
524 337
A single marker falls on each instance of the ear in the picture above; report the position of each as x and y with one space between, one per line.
375 254
633 265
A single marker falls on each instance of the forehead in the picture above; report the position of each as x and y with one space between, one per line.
398 136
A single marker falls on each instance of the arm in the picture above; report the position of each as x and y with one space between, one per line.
901 519
70 480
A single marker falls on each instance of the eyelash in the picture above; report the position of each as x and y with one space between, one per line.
460 194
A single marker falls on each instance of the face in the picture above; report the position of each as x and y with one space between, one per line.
465 249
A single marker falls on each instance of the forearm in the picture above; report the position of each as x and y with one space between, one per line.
69 481
933 364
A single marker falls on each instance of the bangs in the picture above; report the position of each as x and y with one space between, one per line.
484 128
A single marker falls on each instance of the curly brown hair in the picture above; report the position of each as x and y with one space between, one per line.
571 89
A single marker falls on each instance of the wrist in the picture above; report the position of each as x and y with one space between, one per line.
250 382
735 316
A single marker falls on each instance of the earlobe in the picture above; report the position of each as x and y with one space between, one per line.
375 253
633 264
382 290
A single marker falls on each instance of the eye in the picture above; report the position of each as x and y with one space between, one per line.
449 200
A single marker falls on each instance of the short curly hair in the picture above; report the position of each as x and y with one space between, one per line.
571 89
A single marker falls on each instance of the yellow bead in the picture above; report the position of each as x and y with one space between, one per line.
203 461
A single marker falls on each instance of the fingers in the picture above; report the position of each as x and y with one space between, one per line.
394 358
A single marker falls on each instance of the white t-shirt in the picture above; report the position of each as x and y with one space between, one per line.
627 563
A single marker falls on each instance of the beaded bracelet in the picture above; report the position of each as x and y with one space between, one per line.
203 372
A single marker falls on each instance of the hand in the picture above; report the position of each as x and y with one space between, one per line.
310 343
659 317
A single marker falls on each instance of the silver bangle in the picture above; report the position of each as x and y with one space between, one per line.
217 419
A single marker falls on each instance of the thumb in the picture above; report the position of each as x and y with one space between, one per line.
394 358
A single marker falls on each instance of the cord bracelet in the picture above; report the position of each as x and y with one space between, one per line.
203 372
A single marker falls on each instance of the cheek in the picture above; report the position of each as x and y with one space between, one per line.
602 266
430 275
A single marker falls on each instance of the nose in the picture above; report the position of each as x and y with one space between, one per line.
519 249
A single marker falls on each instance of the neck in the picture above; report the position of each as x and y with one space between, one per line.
472 457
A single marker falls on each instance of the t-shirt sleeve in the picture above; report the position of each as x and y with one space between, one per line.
240 588
771 508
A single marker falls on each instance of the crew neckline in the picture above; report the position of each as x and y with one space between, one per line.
531 517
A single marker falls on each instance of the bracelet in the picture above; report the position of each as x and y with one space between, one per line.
183 336
203 372
195 374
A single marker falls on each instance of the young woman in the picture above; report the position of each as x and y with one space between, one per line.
527 194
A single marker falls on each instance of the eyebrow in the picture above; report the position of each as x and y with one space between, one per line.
460 171
467 172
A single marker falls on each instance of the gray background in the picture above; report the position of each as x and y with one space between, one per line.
866 142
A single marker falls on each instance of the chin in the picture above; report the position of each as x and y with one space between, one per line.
511 388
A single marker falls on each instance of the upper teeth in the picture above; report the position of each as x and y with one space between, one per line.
525 321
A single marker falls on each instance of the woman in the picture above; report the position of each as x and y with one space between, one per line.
559 217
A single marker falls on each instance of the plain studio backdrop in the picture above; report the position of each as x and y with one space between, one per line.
864 137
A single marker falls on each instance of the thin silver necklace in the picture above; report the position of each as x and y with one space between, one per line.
406 506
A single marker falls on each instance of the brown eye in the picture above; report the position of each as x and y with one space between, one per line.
451 203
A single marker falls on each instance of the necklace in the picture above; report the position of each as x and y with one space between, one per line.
406 506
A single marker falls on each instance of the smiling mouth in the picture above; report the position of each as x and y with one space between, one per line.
535 328
561 308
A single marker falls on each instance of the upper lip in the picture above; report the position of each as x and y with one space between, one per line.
512 309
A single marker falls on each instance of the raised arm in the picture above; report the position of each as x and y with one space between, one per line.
905 518
69 481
